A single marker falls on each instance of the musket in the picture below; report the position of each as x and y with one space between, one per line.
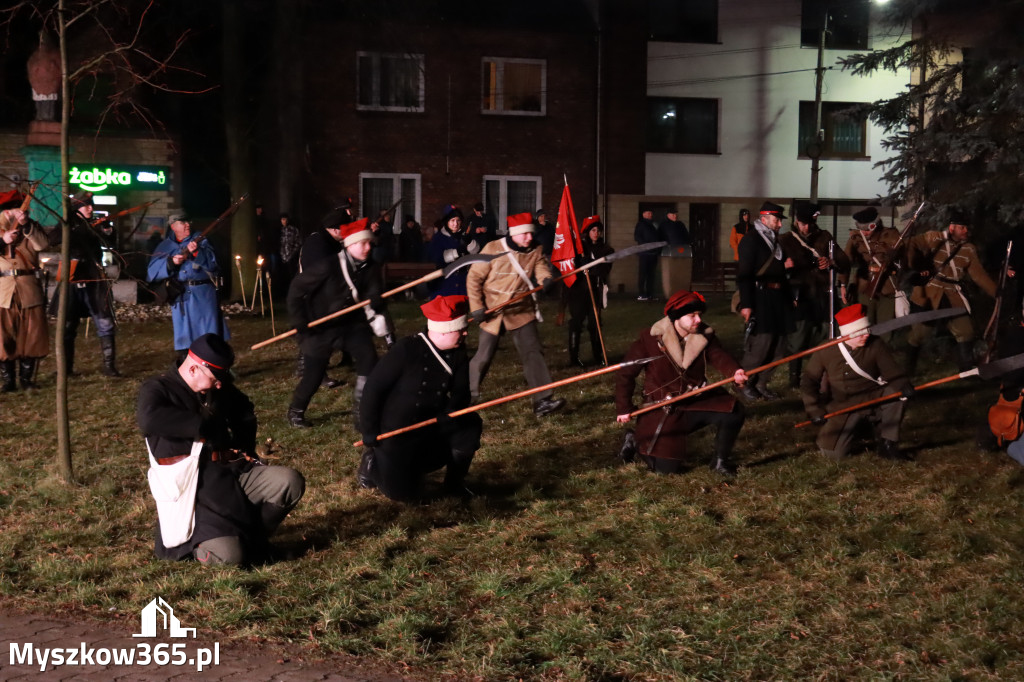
831 289
120 214
894 252
614 256
875 329
212 226
514 396
436 274
992 328
989 370
141 207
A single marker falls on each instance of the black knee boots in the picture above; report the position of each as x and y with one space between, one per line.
109 348
28 372
574 349
7 376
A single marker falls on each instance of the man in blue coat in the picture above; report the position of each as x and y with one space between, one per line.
191 264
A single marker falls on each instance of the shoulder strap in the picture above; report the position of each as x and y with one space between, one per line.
857 368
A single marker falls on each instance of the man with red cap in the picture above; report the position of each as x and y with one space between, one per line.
325 286
859 369
684 346
493 283
422 377
766 302
216 501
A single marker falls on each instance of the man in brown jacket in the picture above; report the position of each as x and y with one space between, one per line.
944 258
684 346
859 369
869 249
23 331
491 284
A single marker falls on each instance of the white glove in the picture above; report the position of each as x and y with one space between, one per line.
450 255
379 325
473 247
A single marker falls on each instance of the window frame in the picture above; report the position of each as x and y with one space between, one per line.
649 147
827 151
377 74
499 96
500 210
396 191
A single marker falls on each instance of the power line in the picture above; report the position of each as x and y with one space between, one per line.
718 79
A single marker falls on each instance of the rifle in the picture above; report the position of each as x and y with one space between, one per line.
119 214
992 328
878 281
169 289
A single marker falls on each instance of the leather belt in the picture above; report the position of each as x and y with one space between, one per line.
215 456
16 273
947 280
196 282
770 285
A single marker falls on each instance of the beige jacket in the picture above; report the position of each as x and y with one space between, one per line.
23 254
491 284
934 248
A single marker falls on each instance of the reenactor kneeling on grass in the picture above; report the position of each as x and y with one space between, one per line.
859 369
422 377
216 501
685 346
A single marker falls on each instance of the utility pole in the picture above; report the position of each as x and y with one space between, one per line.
817 146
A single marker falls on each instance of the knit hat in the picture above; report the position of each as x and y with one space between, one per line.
81 199
213 353
451 211
852 319
684 302
356 232
446 313
520 223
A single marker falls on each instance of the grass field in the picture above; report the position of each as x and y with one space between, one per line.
567 565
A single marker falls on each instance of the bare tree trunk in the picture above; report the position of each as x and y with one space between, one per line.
64 467
237 131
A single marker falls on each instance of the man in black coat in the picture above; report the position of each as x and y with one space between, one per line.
673 230
646 232
766 302
238 501
325 286
422 377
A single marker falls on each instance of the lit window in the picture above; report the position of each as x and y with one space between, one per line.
511 194
844 134
514 86
390 82
682 125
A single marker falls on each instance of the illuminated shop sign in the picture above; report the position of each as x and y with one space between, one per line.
153 178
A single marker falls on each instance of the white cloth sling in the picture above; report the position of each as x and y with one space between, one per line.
857 368
174 489
526 278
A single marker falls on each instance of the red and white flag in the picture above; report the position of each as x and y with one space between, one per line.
567 238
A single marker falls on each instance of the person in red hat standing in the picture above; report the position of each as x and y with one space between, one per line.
859 369
422 377
325 286
493 283
684 346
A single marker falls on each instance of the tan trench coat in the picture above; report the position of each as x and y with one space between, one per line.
491 284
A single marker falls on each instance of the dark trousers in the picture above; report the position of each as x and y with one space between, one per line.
357 341
402 462
646 266
727 425
760 349
531 354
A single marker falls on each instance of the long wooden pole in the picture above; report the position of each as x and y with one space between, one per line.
597 318
514 396
723 382
891 396
291 332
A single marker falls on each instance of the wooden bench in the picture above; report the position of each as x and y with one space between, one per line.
406 272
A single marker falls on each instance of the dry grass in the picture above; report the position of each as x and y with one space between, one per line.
566 566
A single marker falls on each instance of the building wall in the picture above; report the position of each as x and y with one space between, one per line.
451 144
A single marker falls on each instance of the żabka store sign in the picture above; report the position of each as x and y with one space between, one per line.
113 178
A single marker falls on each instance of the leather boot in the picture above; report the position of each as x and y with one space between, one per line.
109 348
328 382
890 449
965 356
627 453
596 350
455 474
297 418
8 377
366 475
28 372
357 399
723 466
574 349
794 373
69 354
913 353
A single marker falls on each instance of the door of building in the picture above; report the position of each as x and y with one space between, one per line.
703 226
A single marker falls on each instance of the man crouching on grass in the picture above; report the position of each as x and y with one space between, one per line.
685 346
216 501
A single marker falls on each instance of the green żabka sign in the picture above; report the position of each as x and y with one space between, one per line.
119 178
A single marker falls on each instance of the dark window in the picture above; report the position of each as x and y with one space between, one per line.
682 125
689 21
847 23
390 82
844 134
